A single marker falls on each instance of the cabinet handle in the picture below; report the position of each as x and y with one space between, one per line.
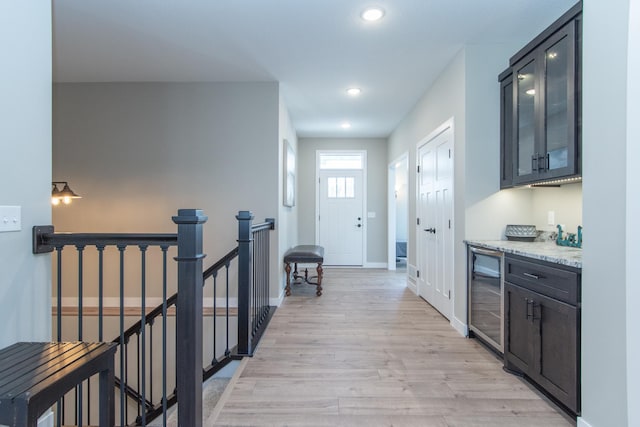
528 302
533 312
547 161
532 276
535 162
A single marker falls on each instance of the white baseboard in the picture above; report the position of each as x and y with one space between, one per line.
582 423
376 265
278 300
412 286
460 326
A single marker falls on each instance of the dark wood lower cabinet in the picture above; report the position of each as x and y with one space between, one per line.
542 341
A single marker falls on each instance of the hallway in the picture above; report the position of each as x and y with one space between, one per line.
371 353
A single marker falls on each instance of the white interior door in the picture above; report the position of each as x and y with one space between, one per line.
435 211
341 222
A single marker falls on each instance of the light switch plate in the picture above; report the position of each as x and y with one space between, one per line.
551 218
10 218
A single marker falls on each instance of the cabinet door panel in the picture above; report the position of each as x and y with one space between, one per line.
525 156
559 104
506 132
518 349
556 364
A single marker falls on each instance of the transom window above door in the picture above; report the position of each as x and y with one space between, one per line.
349 161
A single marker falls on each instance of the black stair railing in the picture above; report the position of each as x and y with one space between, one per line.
139 371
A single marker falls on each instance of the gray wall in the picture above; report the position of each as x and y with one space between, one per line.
25 167
633 212
445 99
288 218
376 149
137 152
604 281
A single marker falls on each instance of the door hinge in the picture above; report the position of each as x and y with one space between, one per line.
418 221
449 152
449 224
418 168
449 293
318 180
417 273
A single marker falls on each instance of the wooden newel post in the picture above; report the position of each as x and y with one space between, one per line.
189 316
245 279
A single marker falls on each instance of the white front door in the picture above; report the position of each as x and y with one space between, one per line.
341 222
435 213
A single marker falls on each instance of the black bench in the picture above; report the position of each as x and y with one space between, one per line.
34 376
304 254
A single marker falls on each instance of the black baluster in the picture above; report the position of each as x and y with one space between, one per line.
164 335
123 383
143 322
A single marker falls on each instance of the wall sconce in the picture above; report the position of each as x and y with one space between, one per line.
65 195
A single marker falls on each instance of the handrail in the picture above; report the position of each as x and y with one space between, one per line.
269 224
45 239
220 263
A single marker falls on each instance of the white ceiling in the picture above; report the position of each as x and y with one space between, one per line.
314 48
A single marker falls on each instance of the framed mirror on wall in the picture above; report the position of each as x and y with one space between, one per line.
289 195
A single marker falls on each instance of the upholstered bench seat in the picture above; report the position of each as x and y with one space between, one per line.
304 254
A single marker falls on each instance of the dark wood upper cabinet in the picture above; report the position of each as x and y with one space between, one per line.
540 124
506 130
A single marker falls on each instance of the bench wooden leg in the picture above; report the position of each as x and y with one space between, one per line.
319 286
287 269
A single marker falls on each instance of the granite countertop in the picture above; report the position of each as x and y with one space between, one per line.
545 251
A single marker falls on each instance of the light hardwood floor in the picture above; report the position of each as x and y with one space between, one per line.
369 352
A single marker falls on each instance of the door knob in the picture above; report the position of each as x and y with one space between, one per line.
430 230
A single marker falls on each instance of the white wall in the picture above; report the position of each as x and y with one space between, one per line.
604 281
25 167
376 149
137 152
633 213
564 201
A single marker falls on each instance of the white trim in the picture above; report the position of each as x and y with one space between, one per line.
582 423
365 226
459 326
392 211
375 265
134 302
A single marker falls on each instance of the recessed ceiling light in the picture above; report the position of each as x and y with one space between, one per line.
354 91
372 14
345 125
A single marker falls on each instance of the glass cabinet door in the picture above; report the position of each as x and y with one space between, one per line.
506 131
559 109
525 155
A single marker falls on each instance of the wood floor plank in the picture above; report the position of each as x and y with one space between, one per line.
369 352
